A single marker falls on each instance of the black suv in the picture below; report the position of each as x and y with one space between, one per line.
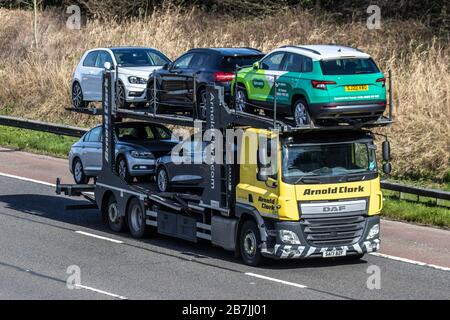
175 81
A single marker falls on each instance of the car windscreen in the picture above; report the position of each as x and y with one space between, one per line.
348 66
142 133
139 58
230 63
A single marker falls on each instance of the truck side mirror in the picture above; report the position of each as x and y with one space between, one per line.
386 151
387 168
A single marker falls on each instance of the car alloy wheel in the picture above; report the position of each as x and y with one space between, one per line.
202 105
78 173
121 101
163 180
122 169
301 115
241 100
77 96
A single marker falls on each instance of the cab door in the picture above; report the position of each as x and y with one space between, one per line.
262 195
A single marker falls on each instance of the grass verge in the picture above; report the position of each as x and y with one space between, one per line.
36 142
420 213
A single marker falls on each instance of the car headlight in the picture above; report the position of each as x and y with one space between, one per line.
373 232
137 80
288 236
142 154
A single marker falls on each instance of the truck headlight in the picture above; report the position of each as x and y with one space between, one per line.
373 232
142 154
289 237
137 80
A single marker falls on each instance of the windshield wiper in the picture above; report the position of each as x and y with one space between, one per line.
305 176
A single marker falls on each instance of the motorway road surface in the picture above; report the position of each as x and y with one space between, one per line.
40 241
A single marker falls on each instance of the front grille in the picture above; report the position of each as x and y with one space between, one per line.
334 230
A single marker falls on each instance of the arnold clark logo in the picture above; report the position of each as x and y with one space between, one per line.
333 190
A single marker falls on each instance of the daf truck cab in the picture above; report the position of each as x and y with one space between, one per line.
322 198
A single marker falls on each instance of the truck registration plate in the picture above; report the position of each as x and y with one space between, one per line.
334 253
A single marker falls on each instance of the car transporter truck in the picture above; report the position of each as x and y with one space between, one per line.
311 192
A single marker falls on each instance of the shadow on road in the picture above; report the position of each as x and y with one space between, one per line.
54 208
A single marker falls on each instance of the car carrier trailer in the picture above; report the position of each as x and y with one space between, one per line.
243 207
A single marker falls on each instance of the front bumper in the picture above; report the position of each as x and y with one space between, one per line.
141 167
136 93
274 248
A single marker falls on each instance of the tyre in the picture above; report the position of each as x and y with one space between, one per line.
78 172
136 220
121 97
77 96
201 104
301 113
241 100
162 180
122 169
250 244
116 222
150 95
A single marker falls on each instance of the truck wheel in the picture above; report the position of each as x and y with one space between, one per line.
301 113
115 221
250 244
136 219
78 172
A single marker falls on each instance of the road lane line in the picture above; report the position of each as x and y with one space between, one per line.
419 263
101 291
98 237
118 241
27 179
276 280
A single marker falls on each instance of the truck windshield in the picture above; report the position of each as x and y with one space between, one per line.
327 160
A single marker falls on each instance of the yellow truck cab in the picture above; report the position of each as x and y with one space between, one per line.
322 198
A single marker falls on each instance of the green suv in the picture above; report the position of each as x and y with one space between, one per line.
315 83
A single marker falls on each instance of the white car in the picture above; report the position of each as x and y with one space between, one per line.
134 66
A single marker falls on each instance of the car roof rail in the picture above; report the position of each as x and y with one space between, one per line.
303 48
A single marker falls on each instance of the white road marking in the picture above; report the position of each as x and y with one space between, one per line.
250 274
98 237
101 291
27 179
419 263
276 280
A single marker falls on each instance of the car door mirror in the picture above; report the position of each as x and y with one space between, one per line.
108 66
166 66
256 65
